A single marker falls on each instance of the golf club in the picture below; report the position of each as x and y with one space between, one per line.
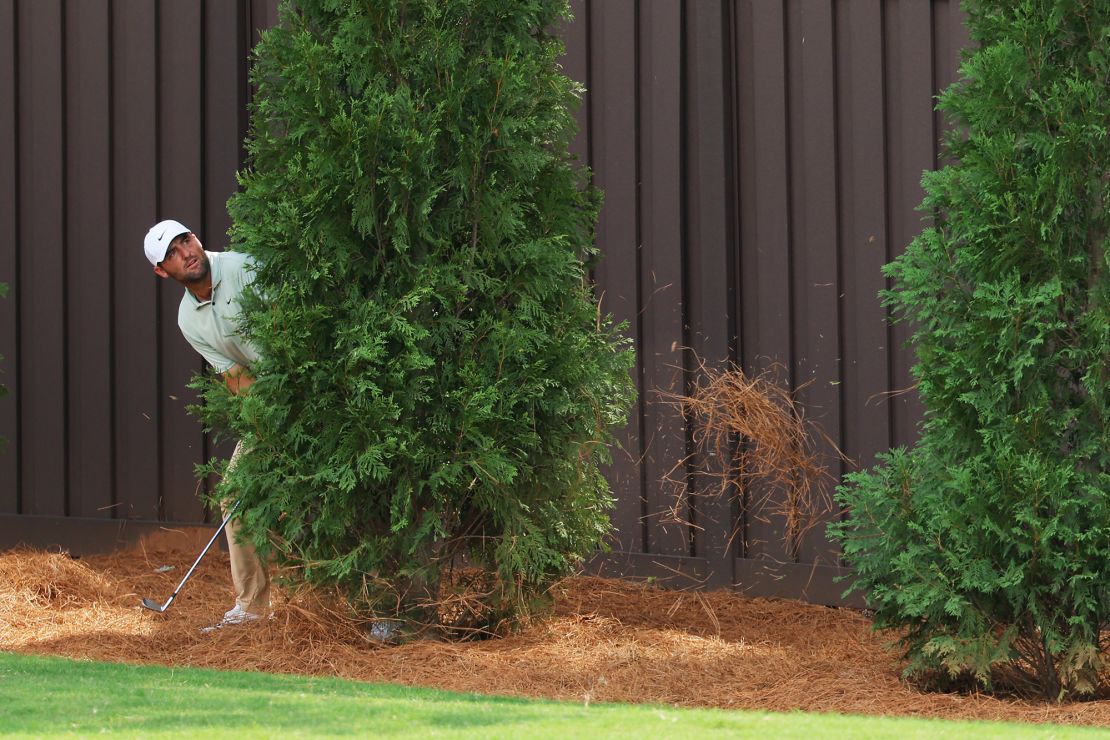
154 605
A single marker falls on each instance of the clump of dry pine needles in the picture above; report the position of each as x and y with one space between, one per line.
751 439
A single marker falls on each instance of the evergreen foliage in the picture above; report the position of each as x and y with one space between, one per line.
437 380
988 543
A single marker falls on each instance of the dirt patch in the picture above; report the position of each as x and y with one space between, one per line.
606 641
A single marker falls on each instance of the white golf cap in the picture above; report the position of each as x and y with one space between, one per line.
158 239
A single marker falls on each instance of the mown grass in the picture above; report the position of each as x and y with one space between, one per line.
46 696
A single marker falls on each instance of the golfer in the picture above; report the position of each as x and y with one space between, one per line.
209 318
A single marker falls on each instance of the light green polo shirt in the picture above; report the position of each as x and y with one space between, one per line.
212 326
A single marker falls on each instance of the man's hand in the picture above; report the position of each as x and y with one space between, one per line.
238 379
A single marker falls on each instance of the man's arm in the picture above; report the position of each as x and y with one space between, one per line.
238 379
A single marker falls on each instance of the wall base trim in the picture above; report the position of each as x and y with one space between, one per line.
88 536
815 584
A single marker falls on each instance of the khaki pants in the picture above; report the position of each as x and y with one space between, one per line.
249 574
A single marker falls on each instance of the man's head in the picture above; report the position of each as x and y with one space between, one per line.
176 253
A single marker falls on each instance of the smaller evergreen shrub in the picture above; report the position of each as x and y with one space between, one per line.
988 544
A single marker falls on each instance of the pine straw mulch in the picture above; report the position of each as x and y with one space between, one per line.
606 641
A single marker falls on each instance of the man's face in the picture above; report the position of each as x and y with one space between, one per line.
185 261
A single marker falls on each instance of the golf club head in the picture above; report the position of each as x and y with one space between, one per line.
153 605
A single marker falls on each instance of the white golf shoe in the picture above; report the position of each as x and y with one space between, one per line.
233 616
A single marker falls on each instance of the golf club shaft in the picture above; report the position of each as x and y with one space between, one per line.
204 552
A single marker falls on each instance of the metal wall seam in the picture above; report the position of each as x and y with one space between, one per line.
10 427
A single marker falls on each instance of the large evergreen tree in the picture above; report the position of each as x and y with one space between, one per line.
437 381
988 543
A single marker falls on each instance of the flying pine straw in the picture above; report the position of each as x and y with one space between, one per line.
751 439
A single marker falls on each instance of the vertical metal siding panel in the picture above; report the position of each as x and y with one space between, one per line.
224 103
244 68
613 130
708 243
814 225
221 107
661 279
950 36
42 259
261 15
959 38
866 358
89 256
9 193
272 16
745 284
264 15
256 10
575 35
766 265
910 135
180 185
134 210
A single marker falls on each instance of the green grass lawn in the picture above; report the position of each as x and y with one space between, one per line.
44 696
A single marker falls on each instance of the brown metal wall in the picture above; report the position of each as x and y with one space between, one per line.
760 161
118 112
